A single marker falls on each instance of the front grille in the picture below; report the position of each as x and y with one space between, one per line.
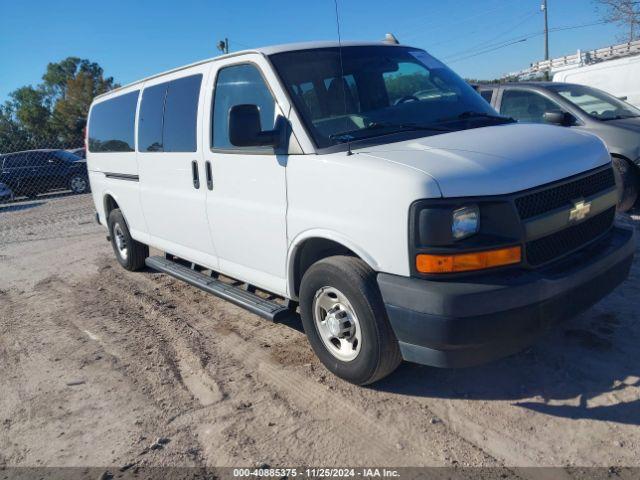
557 244
555 197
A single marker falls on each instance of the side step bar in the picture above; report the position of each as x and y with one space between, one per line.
235 294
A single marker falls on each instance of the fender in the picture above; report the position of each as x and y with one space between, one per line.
334 236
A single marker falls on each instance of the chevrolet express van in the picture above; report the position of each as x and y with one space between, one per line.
367 185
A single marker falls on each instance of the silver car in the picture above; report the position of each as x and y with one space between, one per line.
583 108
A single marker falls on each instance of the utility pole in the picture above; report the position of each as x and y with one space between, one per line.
546 35
223 45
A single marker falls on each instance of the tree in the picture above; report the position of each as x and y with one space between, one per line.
625 13
53 113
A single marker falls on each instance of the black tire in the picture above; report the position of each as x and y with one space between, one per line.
379 354
78 183
628 182
136 252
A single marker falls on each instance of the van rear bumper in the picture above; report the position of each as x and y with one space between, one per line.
466 322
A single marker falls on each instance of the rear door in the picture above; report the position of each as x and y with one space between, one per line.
171 166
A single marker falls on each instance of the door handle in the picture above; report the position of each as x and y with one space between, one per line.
207 171
195 174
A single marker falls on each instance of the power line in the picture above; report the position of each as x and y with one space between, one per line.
474 51
491 42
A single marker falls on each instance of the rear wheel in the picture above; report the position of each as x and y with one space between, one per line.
346 321
130 253
628 182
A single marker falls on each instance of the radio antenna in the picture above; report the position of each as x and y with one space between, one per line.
342 79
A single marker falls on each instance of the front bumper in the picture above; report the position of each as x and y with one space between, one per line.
465 322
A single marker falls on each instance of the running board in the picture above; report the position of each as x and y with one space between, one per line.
235 294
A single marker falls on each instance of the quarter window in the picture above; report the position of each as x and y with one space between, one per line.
238 85
111 124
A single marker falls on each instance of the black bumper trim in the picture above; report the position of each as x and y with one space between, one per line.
467 322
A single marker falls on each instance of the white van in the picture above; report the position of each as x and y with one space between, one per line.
366 184
619 77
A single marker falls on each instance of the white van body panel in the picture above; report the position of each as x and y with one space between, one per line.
359 201
498 160
618 77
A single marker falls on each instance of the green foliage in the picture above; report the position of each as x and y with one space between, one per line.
54 113
399 86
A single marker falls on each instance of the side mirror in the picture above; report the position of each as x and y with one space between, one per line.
245 129
564 119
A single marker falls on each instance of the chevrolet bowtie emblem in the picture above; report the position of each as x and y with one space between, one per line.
579 211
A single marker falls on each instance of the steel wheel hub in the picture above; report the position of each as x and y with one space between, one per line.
121 241
337 323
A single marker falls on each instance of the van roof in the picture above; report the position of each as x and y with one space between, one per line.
269 50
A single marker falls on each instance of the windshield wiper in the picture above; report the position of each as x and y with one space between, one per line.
472 114
350 135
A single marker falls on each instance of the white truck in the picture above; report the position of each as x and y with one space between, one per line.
367 185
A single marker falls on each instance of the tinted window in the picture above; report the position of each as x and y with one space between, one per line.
238 85
150 120
111 125
181 114
526 106
486 94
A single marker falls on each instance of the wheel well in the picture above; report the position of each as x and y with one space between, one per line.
109 205
310 252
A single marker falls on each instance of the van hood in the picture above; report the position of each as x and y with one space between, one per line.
498 159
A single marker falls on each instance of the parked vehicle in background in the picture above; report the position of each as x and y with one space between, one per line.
80 152
32 172
5 192
581 108
367 183
614 69
620 77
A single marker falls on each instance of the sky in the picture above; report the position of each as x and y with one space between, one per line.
137 38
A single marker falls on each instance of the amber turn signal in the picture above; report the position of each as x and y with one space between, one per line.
465 262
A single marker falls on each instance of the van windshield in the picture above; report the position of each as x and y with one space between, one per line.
596 103
378 90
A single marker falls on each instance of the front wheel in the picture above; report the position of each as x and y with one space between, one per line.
130 253
346 322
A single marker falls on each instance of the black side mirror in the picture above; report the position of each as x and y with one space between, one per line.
564 119
245 129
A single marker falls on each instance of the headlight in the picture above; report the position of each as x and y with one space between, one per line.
465 222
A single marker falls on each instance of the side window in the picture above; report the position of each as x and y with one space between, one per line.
524 106
181 114
150 119
111 125
487 95
238 85
169 115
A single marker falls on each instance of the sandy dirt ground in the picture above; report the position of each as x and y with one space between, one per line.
103 367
